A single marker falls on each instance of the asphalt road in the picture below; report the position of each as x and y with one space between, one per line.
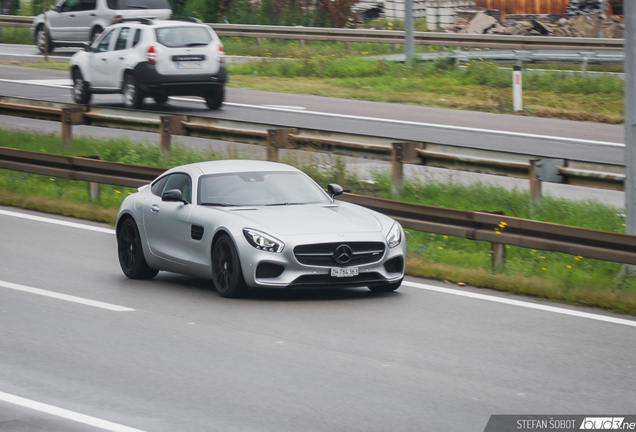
178 357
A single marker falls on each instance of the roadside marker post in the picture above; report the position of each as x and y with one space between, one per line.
517 98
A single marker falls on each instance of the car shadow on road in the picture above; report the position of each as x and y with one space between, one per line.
275 295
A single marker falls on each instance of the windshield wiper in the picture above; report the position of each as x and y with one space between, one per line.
196 44
283 204
220 204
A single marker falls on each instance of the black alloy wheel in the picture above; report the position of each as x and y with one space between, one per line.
226 269
81 92
214 99
131 253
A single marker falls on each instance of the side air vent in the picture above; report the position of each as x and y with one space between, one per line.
197 232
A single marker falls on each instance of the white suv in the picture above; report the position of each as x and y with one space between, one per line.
72 22
152 58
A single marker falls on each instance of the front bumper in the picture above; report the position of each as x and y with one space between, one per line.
263 269
152 82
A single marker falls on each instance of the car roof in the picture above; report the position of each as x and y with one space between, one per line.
231 166
128 22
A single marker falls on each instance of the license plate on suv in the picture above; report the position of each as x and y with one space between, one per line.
344 272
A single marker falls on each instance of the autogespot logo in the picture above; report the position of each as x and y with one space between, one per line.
343 254
606 423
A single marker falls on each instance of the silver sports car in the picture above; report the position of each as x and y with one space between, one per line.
253 224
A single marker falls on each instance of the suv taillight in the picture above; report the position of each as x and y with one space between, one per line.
151 56
116 19
221 54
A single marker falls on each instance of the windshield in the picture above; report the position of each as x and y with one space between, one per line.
260 189
173 37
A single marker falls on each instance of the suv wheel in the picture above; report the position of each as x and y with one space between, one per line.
42 40
160 99
81 92
133 98
215 98
95 34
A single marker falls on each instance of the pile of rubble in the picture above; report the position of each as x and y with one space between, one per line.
590 26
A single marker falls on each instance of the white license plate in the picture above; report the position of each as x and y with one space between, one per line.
188 65
344 272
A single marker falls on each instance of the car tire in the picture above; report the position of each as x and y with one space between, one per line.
226 269
133 97
386 288
131 252
95 34
40 38
81 92
214 100
160 99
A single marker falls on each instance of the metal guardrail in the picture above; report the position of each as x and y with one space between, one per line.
497 229
389 36
534 167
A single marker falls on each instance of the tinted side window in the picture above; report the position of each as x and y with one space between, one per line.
157 187
143 4
112 4
70 6
88 4
105 41
137 37
122 39
181 182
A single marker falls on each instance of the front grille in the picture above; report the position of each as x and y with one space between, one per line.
324 254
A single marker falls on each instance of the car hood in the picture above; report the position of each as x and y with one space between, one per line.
309 219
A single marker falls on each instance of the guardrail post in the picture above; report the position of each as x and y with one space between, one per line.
401 153
168 126
536 197
348 47
70 117
302 43
278 139
498 255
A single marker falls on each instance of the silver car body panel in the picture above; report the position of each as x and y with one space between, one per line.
167 231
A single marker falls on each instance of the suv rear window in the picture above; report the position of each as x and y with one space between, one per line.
173 37
137 4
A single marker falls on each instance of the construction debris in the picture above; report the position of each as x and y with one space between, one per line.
589 26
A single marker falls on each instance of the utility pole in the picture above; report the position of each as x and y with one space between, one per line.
46 33
408 31
629 15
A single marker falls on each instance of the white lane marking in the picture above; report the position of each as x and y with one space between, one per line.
33 55
67 414
384 120
44 83
286 107
57 222
65 297
519 303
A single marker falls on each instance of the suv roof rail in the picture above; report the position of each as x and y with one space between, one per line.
186 19
146 21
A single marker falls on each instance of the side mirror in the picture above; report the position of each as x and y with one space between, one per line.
173 195
56 8
334 190
86 46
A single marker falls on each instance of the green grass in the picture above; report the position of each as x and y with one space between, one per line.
15 35
561 277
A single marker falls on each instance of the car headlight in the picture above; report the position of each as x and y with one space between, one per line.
263 241
394 237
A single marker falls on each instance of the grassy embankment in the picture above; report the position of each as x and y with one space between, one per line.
326 69
560 277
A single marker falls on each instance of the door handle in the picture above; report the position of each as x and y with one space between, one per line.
103 59
93 14
121 58
72 15
154 208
